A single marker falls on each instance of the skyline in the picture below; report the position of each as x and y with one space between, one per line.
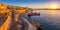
31 3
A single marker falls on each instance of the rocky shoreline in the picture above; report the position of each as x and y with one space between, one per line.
14 13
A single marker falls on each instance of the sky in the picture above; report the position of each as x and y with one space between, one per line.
31 3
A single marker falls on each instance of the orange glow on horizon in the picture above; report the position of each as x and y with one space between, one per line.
53 6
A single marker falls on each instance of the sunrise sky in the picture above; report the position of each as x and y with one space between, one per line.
32 3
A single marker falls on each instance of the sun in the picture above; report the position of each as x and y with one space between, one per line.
53 6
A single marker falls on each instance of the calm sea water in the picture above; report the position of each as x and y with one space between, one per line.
49 19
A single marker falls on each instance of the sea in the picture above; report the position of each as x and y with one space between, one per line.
49 19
